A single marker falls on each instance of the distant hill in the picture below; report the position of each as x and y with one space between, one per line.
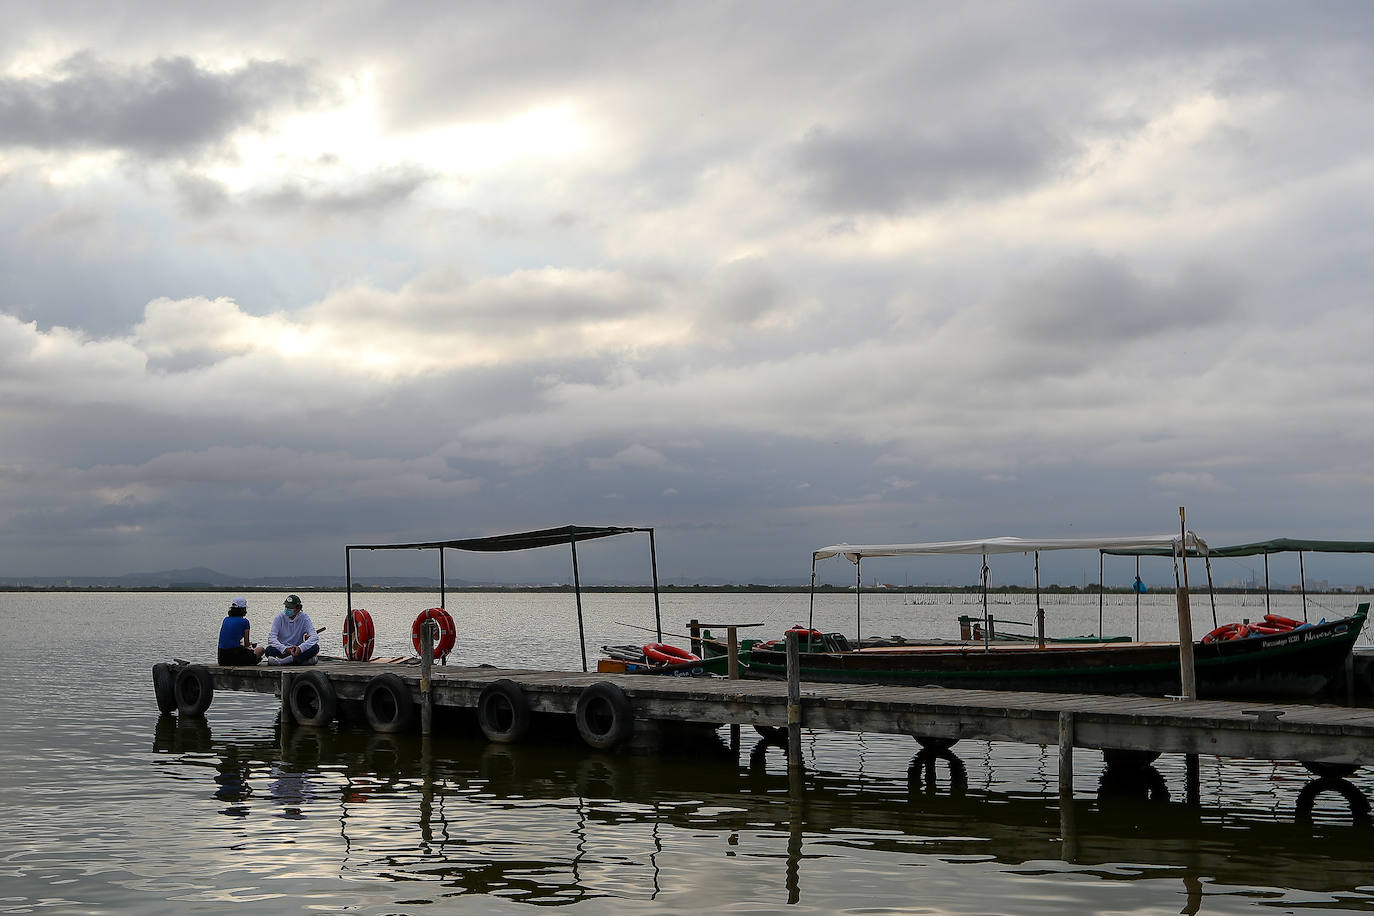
202 577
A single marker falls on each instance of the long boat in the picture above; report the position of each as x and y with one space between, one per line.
1303 661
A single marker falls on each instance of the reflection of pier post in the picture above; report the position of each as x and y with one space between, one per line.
796 825
1068 830
1192 792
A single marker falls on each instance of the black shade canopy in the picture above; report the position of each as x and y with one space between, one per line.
523 540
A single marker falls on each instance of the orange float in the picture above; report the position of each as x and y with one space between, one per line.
448 633
359 636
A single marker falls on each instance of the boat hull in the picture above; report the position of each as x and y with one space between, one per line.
1299 663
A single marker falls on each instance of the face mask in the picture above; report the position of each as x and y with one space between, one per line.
291 612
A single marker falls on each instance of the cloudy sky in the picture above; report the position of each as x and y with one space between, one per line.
766 276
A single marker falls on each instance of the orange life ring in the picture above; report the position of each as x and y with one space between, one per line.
1226 631
448 633
359 636
662 652
1287 623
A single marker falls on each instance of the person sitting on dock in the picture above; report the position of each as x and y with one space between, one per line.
234 645
292 640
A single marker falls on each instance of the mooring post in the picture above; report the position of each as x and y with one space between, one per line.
1065 756
794 761
426 669
1068 829
732 669
694 631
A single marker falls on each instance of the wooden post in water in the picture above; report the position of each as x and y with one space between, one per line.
694 631
1068 829
286 717
794 761
426 669
1187 675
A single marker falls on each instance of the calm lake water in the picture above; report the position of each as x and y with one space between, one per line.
109 808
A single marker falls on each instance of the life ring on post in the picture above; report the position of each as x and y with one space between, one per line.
359 636
448 633
662 652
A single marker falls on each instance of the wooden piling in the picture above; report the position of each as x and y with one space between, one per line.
1065 756
794 761
426 671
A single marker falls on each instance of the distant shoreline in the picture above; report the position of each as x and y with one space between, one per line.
645 589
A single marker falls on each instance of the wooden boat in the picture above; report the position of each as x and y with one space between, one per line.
1300 662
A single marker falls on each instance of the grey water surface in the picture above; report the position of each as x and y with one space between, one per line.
109 808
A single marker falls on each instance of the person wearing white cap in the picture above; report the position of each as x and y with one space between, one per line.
235 648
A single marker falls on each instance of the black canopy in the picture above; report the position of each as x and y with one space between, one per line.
523 540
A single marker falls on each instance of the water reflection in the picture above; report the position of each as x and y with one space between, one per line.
549 824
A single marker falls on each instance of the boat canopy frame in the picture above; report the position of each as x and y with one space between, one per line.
522 540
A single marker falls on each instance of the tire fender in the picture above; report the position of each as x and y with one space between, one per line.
164 688
194 690
312 699
604 715
503 712
387 704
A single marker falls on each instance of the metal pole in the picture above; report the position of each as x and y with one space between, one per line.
441 577
577 593
794 761
1101 591
987 621
348 584
653 563
811 615
426 670
1211 589
1266 583
1302 579
858 602
1039 610
1137 600
1187 675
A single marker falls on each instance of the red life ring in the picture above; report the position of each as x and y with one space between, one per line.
662 652
359 636
1287 623
1226 631
448 633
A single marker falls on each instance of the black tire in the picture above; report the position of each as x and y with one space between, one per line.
311 699
1330 770
503 713
164 688
387 704
194 690
604 715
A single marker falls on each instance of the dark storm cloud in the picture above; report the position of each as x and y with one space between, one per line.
169 107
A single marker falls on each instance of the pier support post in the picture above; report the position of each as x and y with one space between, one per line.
1068 828
732 669
694 632
794 761
426 669
286 717
1192 790
1065 756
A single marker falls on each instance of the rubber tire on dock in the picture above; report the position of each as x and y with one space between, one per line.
388 705
1330 770
604 716
194 690
311 699
503 713
164 687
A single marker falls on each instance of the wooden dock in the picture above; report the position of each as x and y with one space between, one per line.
1328 735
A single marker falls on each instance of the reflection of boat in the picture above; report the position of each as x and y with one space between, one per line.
1302 662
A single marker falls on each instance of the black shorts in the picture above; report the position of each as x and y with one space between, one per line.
238 655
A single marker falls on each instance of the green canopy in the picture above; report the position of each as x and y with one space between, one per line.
1258 548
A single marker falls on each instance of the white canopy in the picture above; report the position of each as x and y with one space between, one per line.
854 552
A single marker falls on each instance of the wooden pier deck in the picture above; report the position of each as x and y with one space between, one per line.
1326 734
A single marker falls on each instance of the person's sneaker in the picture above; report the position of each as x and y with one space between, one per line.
274 660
